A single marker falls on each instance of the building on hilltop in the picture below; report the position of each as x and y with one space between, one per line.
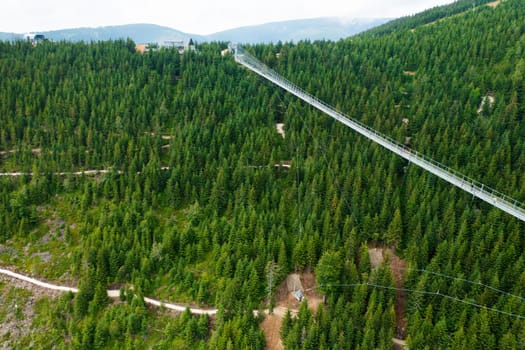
142 48
181 45
34 38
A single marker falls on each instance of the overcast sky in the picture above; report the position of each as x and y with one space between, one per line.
191 16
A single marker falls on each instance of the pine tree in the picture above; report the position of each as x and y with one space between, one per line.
286 325
395 230
328 272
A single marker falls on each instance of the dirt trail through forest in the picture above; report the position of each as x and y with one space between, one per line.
25 282
75 173
494 3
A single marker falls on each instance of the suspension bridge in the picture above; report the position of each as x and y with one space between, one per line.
477 189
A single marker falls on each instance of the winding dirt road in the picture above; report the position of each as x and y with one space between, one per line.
112 293
76 173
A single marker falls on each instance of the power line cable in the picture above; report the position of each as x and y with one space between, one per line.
425 292
460 279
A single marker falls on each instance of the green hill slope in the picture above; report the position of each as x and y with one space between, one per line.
193 208
430 16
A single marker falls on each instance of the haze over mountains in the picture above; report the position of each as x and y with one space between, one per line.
295 30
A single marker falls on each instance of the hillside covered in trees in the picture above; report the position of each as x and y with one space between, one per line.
190 206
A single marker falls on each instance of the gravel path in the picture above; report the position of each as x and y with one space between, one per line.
112 293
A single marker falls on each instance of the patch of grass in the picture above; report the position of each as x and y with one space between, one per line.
18 296
3 302
45 250
13 301
19 314
47 327
5 338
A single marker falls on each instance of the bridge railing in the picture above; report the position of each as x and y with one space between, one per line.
486 193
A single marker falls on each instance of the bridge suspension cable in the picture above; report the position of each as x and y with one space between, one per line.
477 189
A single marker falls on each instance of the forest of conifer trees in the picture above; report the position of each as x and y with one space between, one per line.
193 209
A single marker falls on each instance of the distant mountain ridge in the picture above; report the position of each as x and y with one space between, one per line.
329 28
295 30
140 33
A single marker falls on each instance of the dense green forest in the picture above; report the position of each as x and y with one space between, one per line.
193 208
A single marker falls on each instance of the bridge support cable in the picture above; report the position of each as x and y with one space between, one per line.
477 189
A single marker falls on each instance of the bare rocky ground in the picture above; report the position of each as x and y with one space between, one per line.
17 308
